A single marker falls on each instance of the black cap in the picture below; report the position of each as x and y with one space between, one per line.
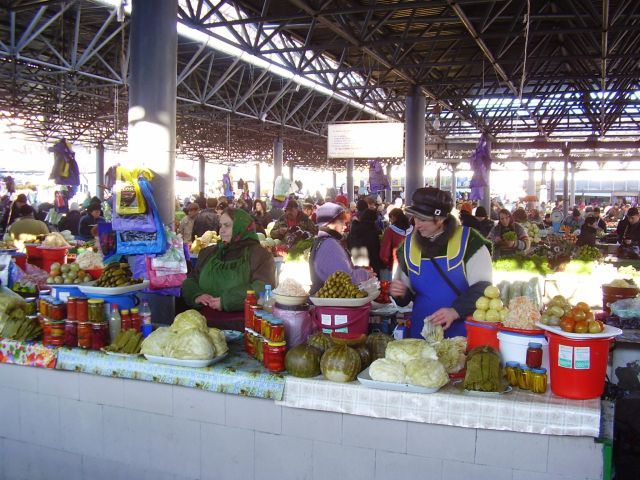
430 202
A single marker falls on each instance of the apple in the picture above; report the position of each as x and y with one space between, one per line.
482 303
492 292
495 304
503 314
479 315
492 316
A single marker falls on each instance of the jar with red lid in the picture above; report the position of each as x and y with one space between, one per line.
53 333
534 355
82 309
84 334
71 308
136 319
99 334
274 354
70 333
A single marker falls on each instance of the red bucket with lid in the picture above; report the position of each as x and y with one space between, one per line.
578 368
342 319
53 255
481 333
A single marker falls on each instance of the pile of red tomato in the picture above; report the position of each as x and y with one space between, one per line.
384 292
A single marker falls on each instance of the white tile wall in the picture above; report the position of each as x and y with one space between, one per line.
194 404
312 424
333 461
378 433
177 433
396 466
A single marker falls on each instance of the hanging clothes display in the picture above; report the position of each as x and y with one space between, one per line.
227 184
65 168
378 181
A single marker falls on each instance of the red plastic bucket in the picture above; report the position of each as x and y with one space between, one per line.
480 334
34 255
578 367
20 259
51 256
342 319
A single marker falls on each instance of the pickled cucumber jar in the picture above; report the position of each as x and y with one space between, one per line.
511 373
539 380
524 379
96 310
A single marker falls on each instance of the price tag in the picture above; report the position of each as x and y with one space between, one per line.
582 358
565 356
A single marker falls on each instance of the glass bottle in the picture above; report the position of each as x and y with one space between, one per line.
145 315
269 301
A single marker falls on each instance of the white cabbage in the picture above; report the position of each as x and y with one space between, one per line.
190 344
219 341
426 373
409 349
157 341
188 320
385 370
451 353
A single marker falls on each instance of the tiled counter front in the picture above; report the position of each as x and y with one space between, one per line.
67 425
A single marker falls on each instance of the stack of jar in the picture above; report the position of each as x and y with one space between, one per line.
264 336
530 375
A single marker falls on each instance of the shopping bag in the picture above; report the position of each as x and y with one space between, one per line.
129 198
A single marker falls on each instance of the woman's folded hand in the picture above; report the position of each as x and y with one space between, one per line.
208 301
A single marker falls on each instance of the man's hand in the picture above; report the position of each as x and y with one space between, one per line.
397 289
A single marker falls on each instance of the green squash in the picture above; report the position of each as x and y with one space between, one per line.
320 341
340 364
377 344
365 356
303 361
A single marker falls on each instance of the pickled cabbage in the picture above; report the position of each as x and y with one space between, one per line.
157 341
385 370
191 319
426 373
409 349
190 344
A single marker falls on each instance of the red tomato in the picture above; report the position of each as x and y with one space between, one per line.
567 324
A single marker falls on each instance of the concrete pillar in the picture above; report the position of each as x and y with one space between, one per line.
531 182
257 181
100 171
334 179
565 188
414 142
152 96
572 186
291 167
201 173
438 179
486 201
542 195
350 164
552 186
277 158
388 194
454 168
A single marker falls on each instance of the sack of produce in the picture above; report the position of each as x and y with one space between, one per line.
483 371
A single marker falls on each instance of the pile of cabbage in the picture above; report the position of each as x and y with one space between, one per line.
420 362
188 338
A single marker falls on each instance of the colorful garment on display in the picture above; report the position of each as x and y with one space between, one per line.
227 184
480 161
65 168
378 181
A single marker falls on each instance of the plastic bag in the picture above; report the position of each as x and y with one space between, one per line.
173 260
138 264
626 308
129 197
158 280
281 187
141 222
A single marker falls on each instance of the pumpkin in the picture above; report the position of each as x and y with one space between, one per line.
303 361
340 364
365 356
351 339
377 344
320 341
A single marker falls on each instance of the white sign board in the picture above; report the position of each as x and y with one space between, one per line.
366 140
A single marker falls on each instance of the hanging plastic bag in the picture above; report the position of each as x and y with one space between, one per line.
173 260
141 222
138 265
129 198
281 187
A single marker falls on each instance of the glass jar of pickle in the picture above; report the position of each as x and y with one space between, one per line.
539 380
56 310
274 355
511 373
259 350
249 345
71 308
96 310
84 334
524 379
53 333
71 333
99 333
82 309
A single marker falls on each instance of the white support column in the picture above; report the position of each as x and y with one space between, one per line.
350 165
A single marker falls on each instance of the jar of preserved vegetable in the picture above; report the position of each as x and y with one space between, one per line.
539 380
126 319
71 308
511 373
534 355
257 322
274 354
71 333
276 330
84 334
53 333
259 349
524 379
57 310
82 309
249 346
99 333
96 310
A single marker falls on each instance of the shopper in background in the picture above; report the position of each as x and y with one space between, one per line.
327 253
394 235
363 241
12 212
261 216
219 282
185 229
588 233
466 217
206 220
88 221
504 246
628 230
484 224
573 221
71 221
600 223
27 225
293 217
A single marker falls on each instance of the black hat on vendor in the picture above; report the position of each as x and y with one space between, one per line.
327 213
430 202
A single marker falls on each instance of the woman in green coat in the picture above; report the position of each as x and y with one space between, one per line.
219 282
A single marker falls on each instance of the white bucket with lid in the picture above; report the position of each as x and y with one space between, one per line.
513 347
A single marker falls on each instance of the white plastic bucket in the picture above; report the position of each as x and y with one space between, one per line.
513 347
